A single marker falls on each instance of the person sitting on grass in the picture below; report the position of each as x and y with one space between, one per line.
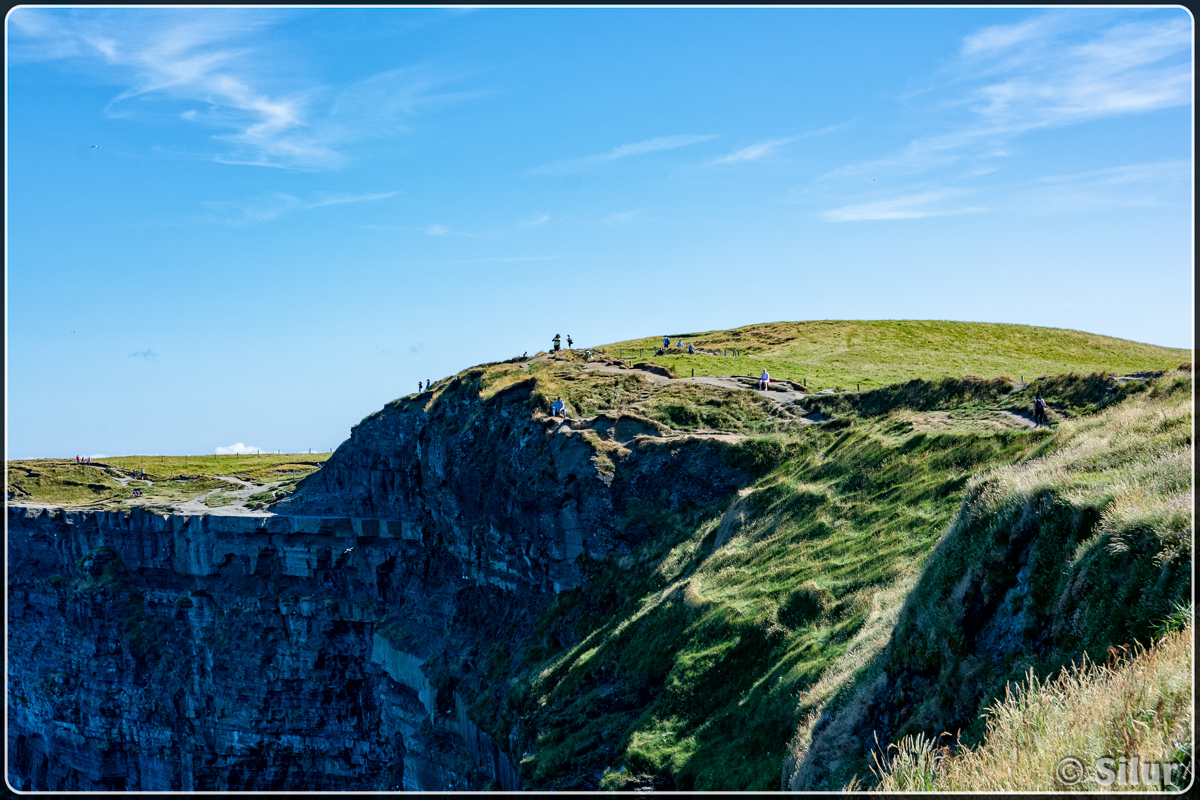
764 380
558 408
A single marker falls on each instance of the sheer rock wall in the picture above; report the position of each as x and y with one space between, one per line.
321 648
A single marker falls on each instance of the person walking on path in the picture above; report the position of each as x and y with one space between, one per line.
557 342
666 342
569 342
1039 411
691 349
764 380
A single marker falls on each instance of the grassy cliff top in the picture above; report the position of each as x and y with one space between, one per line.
109 482
832 353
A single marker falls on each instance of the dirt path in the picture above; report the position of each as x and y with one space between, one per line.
782 393
1024 419
236 508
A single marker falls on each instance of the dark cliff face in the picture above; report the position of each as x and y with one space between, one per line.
323 648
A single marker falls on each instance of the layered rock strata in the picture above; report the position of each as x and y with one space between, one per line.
327 647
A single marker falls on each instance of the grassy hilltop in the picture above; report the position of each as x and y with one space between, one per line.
829 354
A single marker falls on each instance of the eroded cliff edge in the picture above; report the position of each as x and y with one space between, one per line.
323 648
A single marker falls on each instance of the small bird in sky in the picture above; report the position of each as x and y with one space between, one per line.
74 331
93 147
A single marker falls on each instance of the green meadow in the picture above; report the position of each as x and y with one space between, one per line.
871 353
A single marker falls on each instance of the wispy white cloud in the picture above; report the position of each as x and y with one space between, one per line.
760 149
624 151
438 229
751 153
237 448
999 38
913 206
1051 70
262 208
234 80
272 205
1129 68
621 217
535 221
1130 185
339 199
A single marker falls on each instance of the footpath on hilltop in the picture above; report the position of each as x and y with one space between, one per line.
872 353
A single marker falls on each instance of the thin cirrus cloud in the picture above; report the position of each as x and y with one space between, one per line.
621 217
913 206
624 151
236 80
751 153
1044 72
761 149
1126 186
438 229
1129 68
535 221
272 205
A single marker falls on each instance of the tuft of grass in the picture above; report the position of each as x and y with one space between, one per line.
1137 705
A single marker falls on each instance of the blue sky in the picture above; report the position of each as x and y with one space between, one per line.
294 215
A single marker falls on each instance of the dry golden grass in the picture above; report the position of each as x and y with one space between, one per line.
1139 705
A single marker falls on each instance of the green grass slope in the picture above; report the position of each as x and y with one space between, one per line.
690 662
1085 546
830 354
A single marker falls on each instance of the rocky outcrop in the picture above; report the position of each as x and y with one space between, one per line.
327 647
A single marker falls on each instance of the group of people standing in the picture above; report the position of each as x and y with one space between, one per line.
83 459
556 343
691 348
